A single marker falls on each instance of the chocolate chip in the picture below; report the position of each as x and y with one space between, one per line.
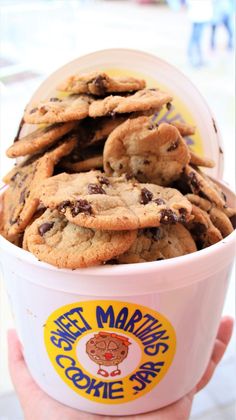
95 189
80 206
33 110
168 106
159 259
55 100
45 227
168 217
159 201
100 83
139 172
183 214
63 206
120 166
194 182
173 146
146 162
146 196
103 180
129 176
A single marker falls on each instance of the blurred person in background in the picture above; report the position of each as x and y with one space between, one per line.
223 14
200 13
174 4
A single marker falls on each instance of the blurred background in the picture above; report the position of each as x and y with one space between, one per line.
197 36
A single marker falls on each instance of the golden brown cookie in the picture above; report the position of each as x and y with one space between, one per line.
184 129
197 160
202 228
188 130
52 239
165 241
217 216
99 84
22 200
92 200
201 183
143 100
53 110
151 153
39 139
15 239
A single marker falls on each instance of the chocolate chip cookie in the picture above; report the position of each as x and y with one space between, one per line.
184 129
92 200
39 139
153 244
99 84
201 183
156 154
202 228
53 239
143 100
54 110
217 216
22 200
5 213
204 161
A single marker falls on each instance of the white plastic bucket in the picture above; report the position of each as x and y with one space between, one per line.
162 315
57 312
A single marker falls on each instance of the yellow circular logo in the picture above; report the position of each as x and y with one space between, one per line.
109 351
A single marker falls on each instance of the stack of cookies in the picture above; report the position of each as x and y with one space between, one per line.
101 182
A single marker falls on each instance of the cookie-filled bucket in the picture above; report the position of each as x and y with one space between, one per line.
129 338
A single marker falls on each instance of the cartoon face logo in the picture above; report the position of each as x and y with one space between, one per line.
107 349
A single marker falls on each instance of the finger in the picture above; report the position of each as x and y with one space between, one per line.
22 381
222 340
31 397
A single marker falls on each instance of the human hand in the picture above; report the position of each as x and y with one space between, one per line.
37 405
